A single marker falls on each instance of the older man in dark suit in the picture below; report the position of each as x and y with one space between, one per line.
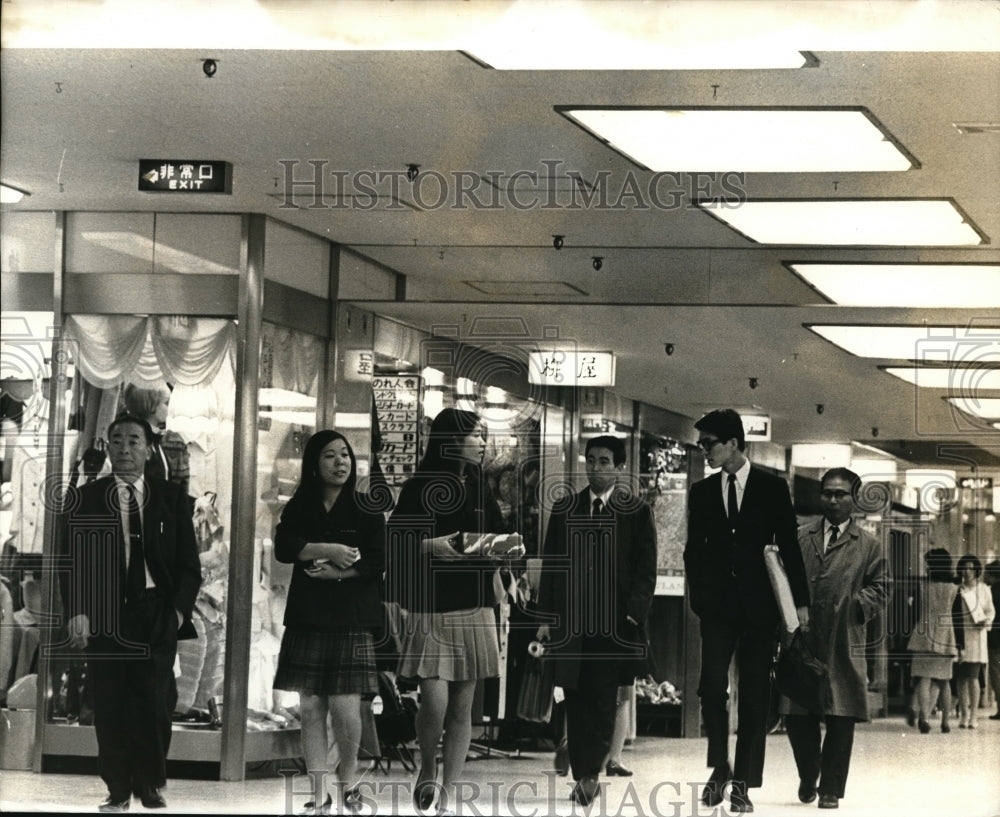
598 577
133 577
732 515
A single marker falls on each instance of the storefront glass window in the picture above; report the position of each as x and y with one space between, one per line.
663 477
25 355
177 372
289 373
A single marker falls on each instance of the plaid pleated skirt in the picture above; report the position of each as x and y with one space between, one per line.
455 646
316 663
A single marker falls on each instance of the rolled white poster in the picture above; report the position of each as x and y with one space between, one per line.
782 590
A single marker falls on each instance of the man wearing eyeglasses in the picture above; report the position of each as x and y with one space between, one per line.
732 515
849 581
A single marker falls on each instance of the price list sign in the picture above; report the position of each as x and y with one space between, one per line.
397 407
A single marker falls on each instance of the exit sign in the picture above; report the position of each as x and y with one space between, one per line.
185 176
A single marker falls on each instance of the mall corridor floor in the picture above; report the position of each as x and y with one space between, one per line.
895 771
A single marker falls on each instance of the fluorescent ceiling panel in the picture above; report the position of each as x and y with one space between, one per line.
916 285
986 408
11 195
968 380
851 222
770 141
910 342
821 455
604 51
874 470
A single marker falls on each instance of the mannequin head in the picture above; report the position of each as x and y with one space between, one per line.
149 404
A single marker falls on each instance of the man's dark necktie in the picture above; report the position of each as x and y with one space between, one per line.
598 508
834 536
732 509
135 580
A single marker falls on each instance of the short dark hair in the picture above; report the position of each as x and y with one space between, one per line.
970 559
122 419
845 474
724 424
938 561
616 445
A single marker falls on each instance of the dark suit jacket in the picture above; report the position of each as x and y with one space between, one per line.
93 536
628 587
726 574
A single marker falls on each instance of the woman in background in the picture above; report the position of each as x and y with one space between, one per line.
932 641
450 642
974 614
337 547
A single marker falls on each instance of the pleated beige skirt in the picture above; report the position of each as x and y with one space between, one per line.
456 646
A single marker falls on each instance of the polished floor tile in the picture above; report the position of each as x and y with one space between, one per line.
894 771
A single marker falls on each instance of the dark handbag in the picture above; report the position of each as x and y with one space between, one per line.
801 677
534 702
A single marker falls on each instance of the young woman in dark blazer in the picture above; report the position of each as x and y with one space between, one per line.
450 640
337 546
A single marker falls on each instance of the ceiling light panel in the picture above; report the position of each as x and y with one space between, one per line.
11 195
581 45
966 379
906 285
986 408
918 343
850 222
770 141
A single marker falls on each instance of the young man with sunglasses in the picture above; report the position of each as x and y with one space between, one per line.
732 515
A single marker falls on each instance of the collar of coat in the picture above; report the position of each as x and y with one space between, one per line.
816 533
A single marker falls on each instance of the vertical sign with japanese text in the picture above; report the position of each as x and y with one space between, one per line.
397 402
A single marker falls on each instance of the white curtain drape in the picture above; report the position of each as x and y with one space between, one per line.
108 349
290 359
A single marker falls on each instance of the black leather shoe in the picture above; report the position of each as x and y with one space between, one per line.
425 792
807 791
425 796
829 801
739 799
561 761
310 806
574 792
352 800
711 795
585 791
151 798
615 769
113 803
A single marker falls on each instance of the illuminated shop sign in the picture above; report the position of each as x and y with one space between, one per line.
756 427
571 367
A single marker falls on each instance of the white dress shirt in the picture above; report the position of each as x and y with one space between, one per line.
741 485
